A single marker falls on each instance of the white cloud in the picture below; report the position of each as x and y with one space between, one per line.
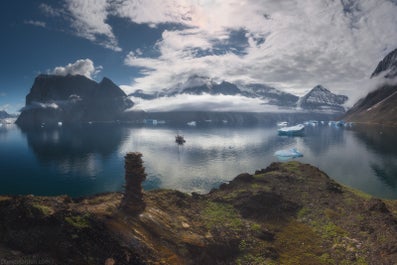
80 67
221 103
306 42
49 10
290 44
35 23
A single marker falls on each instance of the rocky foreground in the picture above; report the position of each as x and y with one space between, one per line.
288 213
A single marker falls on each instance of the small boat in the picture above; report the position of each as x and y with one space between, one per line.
292 130
179 139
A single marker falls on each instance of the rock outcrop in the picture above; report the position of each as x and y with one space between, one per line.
380 105
72 99
287 213
388 66
133 202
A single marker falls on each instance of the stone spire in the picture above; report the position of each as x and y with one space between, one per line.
134 176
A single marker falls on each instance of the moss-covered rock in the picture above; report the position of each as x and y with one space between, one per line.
288 213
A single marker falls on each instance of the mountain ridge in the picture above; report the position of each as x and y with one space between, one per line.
72 98
380 105
199 85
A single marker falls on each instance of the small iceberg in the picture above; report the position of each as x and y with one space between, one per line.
192 123
288 154
282 124
311 123
292 130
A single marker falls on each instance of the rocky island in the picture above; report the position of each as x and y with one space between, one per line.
287 213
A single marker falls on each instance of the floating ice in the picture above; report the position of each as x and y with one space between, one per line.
292 130
192 123
282 124
288 154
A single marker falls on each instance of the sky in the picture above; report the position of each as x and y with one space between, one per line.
291 45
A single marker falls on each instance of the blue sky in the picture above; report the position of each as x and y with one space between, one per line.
292 45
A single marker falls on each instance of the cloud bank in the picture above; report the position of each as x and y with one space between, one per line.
292 44
221 103
80 67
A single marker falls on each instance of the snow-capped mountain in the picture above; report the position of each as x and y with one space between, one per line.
273 95
321 99
388 66
198 85
4 114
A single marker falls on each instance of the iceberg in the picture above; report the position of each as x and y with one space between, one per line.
282 124
292 130
288 154
192 123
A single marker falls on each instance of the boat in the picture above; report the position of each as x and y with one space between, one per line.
292 130
179 139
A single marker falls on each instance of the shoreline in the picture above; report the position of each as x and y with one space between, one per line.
287 213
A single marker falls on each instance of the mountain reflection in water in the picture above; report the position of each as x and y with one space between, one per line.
89 159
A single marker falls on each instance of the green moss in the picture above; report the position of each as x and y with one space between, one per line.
359 193
242 245
256 227
44 209
303 212
361 261
297 243
252 260
330 230
326 259
331 214
292 166
221 215
78 221
259 176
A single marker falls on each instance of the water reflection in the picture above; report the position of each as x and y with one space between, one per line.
75 150
89 159
383 141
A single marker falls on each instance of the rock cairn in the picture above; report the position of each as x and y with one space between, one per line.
133 202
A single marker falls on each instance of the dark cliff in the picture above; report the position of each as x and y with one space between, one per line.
380 105
71 99
388 66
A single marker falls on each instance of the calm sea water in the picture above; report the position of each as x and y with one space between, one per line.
86 160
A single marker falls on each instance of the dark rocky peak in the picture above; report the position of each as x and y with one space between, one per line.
319 88
55 87
197 80
388 66
48 88
320 94
4 114
72 98
320 97
106 86
225 88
